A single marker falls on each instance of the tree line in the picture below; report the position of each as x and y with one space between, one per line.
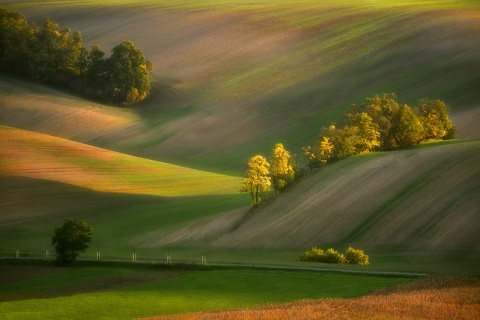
380 124
56 56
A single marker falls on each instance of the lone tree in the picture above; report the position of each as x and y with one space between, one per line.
71 239
257 179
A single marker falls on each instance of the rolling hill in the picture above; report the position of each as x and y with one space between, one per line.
234 77
420 199
45 179
33 155
231 79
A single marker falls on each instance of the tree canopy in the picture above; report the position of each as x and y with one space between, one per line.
129 74
71 239
257 178
55 56
261 175
381 124
281 168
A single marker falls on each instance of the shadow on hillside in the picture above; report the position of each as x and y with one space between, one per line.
163 94
165 103
29 198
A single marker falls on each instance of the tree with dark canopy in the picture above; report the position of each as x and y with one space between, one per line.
71 239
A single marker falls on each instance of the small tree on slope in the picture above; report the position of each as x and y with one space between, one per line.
257 180
71 239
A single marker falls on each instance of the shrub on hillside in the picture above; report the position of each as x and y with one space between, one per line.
333 256
314 255
355 256
351 256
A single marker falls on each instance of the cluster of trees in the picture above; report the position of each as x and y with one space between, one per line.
262 175
55 56
381 124
351 256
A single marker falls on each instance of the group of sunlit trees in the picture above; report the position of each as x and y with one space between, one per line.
55 56
379 124
262 175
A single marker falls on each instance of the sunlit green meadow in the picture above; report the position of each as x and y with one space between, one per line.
33 155
173 292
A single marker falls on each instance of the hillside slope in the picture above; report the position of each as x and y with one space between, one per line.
234 77
231 79
33 155
45 179
424 198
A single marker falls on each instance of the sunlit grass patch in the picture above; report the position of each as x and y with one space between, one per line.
33 155
191 291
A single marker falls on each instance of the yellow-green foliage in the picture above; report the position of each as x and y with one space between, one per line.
355 256
314 255
381 124
282 171
257 178
333 256
351 256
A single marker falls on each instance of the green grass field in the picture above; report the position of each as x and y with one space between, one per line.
126 293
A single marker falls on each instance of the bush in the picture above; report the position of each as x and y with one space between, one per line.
333 256
354 256
351 256
315 255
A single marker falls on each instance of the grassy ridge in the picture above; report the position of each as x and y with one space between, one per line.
32 155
